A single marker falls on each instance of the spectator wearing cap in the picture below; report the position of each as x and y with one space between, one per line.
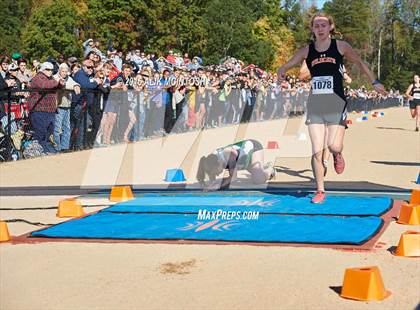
15 57
12 74
62 129
43 105
87 99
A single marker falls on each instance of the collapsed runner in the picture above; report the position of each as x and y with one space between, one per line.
243 155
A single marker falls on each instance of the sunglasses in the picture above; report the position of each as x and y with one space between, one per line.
89 67
48 69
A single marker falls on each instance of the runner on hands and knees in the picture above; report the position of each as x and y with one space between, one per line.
413 94
326 108
242 155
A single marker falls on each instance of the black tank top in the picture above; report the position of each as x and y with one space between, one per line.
326 70
415 92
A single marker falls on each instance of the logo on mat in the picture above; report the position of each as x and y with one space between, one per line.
259 202
214 225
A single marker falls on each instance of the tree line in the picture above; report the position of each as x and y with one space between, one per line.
263 32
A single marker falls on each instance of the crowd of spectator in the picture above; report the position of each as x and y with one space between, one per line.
69 104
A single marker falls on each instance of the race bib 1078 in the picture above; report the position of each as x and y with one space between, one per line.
322 85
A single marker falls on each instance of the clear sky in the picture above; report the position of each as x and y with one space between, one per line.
320 3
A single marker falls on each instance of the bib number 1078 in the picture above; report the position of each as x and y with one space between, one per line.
322 85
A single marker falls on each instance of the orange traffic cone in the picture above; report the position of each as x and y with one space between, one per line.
409 214
70 208
363 284
409 244
4 232
415 197
121 193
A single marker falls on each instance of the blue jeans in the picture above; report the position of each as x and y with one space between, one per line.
137 133
62 129
43 127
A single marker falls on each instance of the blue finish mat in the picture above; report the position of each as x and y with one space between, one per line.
264 203
268 228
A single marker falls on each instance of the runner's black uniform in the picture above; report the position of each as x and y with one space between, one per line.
326 101
415 92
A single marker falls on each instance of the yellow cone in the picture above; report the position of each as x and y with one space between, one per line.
363 284
70 208
409 244
4 232
121 193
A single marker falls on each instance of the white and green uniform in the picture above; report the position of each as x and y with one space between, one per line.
245 150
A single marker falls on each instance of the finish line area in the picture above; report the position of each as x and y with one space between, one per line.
232 217
117 249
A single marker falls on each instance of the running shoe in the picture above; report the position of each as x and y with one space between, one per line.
319 197
339 163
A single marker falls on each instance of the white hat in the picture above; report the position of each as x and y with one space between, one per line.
46 65
13 67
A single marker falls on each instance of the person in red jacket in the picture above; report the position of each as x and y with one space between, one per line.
43 104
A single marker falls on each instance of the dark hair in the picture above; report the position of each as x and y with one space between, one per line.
4 59
90 53
205 167
76 64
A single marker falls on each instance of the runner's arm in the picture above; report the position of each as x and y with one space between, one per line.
408 92
231 166
346 50
304 73
297 59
